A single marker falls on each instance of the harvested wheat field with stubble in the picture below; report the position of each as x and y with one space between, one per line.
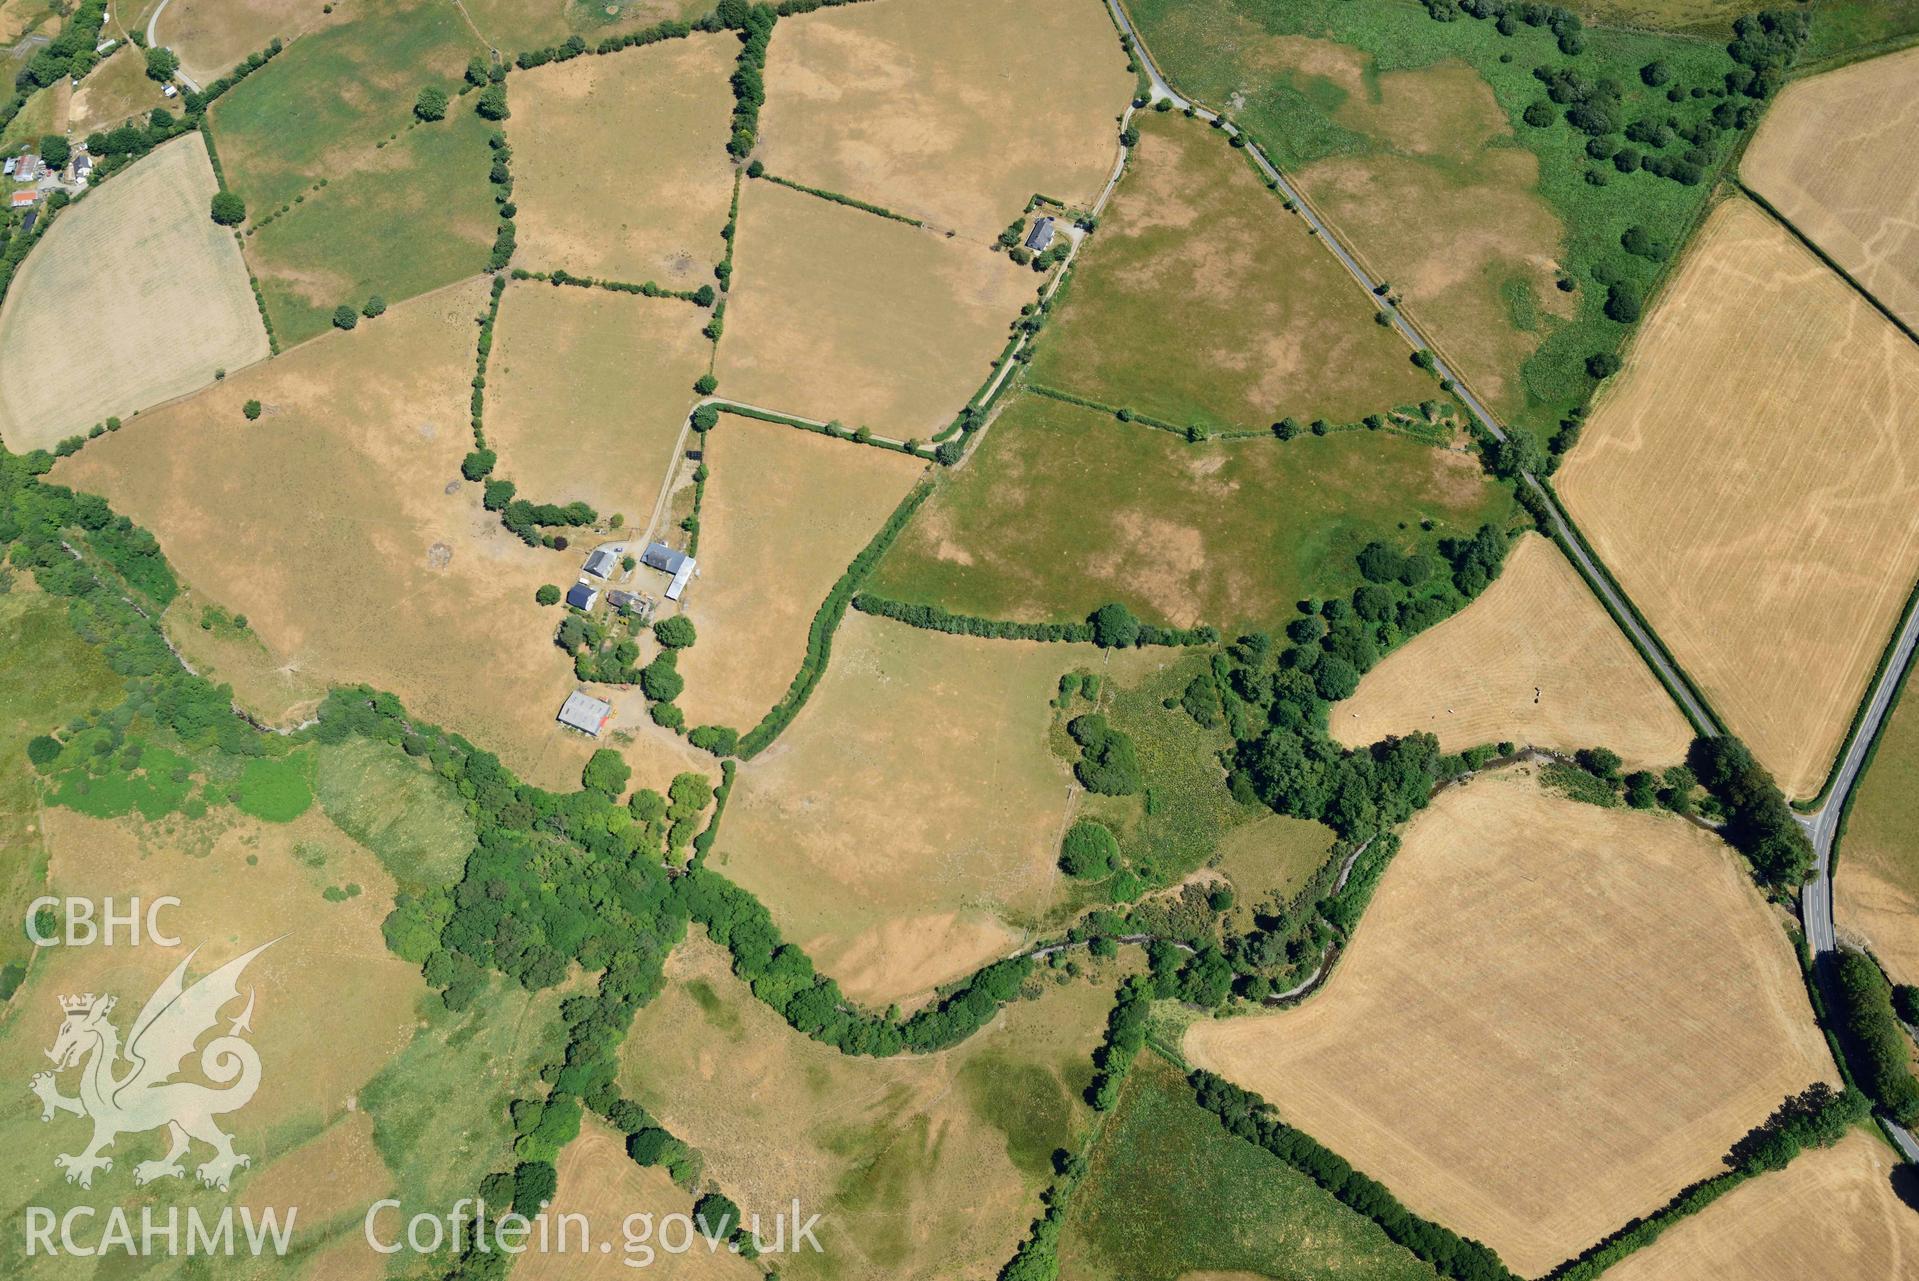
836 313
1535 660
1193 244
1752 482
923 1167
598 1180
1837 155
1553 1017
619 162
957 117
338 525
1834 1212
214 36
908 822
587 391
167 303
785 513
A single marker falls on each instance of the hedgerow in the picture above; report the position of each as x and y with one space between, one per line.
755 25
826 621
934 618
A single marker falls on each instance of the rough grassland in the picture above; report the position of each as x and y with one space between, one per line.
1536 660
166 303
1272 857
512 25
922 1166
328 523
1063 509
1407 134
214 36
1554 1017
1201 300
1847 26
1171 1196
332 1005
1766 1230
620 165
909 820
1876 887
598 1180
838 314
958 122
48 675
785 512
412 216
1835 155
113 91
1750 480
320 108
587 391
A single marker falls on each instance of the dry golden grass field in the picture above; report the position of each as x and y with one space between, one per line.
1199 300
598 1180
530 24
1466 230
619 163
922 1166
214 36
1876 878
909 820
1535 660
113 91
1835 154
167 303
839 314
1751 480
587 391
1553 1018
955 120
1833 1212
336 525
785 513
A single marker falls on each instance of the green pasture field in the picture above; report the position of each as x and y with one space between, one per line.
513 25
1199 300
1063 509
1170 1194
1439 197
1843 27
318 110
48 675
421 218
406 814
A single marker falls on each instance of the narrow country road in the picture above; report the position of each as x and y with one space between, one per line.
153 42
1815 900
1615 601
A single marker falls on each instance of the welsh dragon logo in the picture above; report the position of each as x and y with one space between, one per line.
142 1095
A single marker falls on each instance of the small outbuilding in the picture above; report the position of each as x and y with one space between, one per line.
23 200
27 169
1041 235
585 713
582 595
602 563
632 604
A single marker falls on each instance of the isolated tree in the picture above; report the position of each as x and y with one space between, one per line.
547 595
1089 851
56 151
1655 73
431 104
251 409
706 384
162 65
675 632
344 317
375 306
229 210
1539 115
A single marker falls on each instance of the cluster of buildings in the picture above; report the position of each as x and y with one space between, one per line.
582 711
32 179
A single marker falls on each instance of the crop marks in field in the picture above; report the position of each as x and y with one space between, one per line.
1200 301
166 303
1834 155
328 523
1553 1017
1063 509
839 314
956 122
587 391
620 165
1751 481
910 818
785 512
1535 660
